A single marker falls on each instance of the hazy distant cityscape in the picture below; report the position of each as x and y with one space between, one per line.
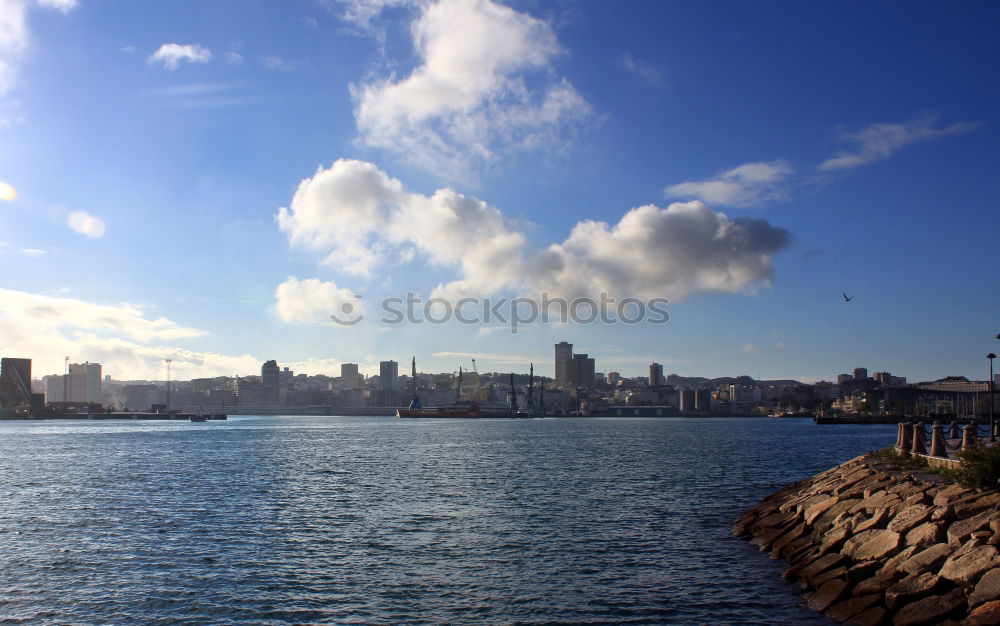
577 388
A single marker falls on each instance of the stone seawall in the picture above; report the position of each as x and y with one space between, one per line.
876 545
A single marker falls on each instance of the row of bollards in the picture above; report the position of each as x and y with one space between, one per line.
910 437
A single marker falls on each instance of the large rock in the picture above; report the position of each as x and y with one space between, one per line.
929 560
927 534
877 583
974 503
824 521
950 494
910 517
910 589
875 616
885 544
985 615
930 610
853 544
822 564
961 530
967 568
987 589
818 508
827 595
878 520
890 565
790 535
843 611
833 538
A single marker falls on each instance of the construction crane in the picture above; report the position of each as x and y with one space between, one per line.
477 393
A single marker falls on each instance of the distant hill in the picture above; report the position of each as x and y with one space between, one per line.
699 381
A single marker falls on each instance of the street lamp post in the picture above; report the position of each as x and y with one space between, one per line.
993 434
66 379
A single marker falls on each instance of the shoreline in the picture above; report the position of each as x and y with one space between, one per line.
875 544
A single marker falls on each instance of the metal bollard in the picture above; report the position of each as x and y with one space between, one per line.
968 438
937 440
918 446
954 431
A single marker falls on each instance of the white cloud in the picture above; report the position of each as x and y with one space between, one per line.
749 348
880 141
86 224
467 103
646 72
33 252
277 64
13 40
172 54
61 5
234 58
15 36
479 356
36 310
746 185
353 216
120 337
362 12
312 301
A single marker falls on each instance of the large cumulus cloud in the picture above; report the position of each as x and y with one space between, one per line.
357 219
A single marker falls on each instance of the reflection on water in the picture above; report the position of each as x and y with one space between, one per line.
310 519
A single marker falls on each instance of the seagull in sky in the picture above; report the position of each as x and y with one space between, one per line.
848 298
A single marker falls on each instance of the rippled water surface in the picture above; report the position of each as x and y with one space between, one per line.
377 520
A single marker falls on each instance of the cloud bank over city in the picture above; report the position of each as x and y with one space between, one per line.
358 220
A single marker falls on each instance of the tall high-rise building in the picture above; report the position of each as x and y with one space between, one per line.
270 378
655 374
614 378
860 373
349 377
388 375
84 382
581 371
15 382
564 357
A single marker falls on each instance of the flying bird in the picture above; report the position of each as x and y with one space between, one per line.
848 298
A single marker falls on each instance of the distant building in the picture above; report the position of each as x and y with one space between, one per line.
860 373
564 358
613 378
581 371
270 379
656 375
349 377
84 382
703 400
687 400
388 375
843 379
15 382
55 387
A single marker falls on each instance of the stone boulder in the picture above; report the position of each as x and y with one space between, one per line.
987 589
967 568
930 610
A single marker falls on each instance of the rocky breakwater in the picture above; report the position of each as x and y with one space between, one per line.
878 545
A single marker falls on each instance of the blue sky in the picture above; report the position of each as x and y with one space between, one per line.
209 181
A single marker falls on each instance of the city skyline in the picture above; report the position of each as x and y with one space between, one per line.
209 184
